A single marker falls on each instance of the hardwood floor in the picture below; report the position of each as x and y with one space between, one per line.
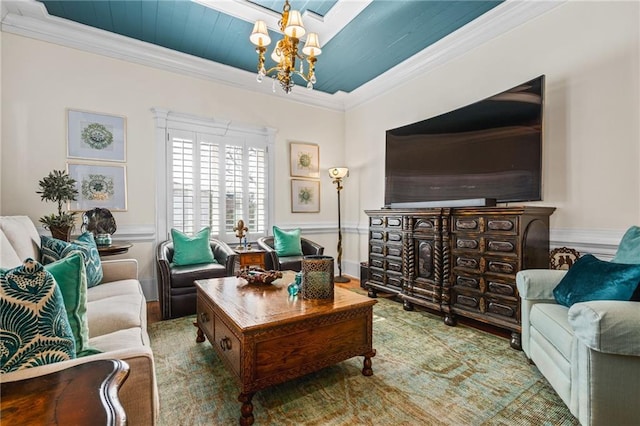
153 307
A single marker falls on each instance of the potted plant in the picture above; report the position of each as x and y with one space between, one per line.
59 187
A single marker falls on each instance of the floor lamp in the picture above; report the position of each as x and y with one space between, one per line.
337 174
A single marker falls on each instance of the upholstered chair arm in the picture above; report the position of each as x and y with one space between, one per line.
116 270
164 255
272 262
607 326
224 255
311 248
538 284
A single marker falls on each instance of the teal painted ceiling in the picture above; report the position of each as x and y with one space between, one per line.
382 35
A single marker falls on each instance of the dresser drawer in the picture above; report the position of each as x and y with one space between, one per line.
394 280
395 237
466 281
502 266
467 262
394 222
376 221
467 224
425 225
394 266
394 250
504 309
501 288
494 244
467 242
501 224
227 344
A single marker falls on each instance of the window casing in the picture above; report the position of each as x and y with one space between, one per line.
215 176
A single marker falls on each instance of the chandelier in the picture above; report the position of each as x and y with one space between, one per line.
285 52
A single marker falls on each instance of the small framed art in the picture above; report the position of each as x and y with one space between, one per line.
305 160
99 186
93 136
305 196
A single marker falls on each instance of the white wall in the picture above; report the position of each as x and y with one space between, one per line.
40 80
589 52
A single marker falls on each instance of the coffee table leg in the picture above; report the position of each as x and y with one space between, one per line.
366 369
246 410
200 335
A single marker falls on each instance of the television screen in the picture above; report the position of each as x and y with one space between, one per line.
490 149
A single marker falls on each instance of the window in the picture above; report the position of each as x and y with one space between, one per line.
216 176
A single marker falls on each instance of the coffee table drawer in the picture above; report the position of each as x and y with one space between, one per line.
205 317
227 344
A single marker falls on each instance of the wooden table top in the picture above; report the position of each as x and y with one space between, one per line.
85 394
253 306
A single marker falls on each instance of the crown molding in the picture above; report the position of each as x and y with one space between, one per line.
29 18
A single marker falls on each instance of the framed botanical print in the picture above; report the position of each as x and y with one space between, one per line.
305 160
305 196
93 136
99 186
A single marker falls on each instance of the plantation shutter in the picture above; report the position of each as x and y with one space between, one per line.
216 181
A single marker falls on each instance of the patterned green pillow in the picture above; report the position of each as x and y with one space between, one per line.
53 249
33 323
71 277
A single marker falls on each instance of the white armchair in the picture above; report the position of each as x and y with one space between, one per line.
589 353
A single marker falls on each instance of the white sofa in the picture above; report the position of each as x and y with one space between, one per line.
117 317
589 353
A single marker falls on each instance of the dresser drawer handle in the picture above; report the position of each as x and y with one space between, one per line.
501 246
467 244
500 225
467 224
225 343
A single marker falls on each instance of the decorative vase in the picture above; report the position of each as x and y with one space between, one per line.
317 277
61 232
103 239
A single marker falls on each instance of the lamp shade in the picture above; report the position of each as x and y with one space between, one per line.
338 172
294 26
312 46
260 36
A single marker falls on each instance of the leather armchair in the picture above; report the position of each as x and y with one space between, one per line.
289 263
176 290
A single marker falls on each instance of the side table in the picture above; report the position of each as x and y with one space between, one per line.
85 394
115 248
250 257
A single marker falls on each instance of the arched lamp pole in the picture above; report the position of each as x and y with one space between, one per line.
337 174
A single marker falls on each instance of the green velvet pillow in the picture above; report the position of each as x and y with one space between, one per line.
593 279
287 243
71 277
33 322
629 248
191 250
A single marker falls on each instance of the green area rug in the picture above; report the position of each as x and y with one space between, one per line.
424 373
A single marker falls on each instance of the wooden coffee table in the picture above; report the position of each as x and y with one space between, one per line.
266 337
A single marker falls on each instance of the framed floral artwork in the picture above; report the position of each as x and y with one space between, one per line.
99 186
94 136
305 196
305 160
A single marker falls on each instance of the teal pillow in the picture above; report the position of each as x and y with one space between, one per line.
34 328
71 277
629 248
191 250
52 249
593 279
287 243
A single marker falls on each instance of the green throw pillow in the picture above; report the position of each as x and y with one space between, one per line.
191 250
629 248
33 322
71 277
287 243
593 279
53 249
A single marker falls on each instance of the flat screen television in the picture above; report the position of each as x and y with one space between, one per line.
491 149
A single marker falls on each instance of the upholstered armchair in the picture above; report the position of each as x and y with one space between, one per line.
289 263
176 290
588 351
